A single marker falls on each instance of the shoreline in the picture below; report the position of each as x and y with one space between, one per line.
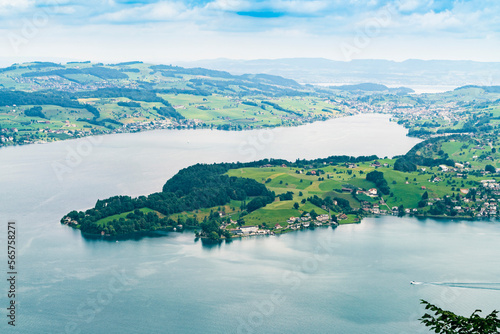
195 127
166 231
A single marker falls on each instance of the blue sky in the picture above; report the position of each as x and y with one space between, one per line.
163 31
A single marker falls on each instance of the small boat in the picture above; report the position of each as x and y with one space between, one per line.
413 282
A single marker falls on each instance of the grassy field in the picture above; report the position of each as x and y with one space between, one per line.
273 214
215 110
231 210
405 188
218 109
474 152
105 221
351 219
214 99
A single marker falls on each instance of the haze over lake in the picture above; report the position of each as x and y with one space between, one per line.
354 279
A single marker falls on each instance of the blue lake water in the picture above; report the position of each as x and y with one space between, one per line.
354 279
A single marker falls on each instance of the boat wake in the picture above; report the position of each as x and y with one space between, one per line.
478 285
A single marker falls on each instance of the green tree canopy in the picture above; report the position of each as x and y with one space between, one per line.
446 322
490 168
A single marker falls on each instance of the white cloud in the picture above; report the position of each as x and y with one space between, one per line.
196 29
229 5
53 2
408 5
433 20
160 11
64 10
9 6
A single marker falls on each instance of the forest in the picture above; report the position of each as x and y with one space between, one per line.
195 187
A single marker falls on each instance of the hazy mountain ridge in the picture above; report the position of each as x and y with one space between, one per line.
372 87
135 74
321 70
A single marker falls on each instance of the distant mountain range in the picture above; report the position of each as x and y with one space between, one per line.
372 87
410 72
487 89
86 76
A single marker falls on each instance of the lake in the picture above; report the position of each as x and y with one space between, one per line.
353 279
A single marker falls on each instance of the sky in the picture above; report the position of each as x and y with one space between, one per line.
184 30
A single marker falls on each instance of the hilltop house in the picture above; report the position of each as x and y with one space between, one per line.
444 168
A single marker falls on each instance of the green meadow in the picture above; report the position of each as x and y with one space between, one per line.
212 98
107 220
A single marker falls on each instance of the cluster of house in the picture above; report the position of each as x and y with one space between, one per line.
377 164
4 134
395 211
250 230
141 126
451 110
459 169
29 138
377 209
490 184
130 127
293 223
68 221
62 84
489 208
373 192
305 221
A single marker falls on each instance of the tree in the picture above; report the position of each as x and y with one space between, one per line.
296 206
35 112
447 322
425 195
214 236
490 168
405 165
401 211
379 180
288 196
255 204
343 204
439 208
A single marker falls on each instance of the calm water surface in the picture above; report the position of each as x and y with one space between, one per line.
354 279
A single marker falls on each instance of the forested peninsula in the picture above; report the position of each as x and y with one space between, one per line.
446 177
